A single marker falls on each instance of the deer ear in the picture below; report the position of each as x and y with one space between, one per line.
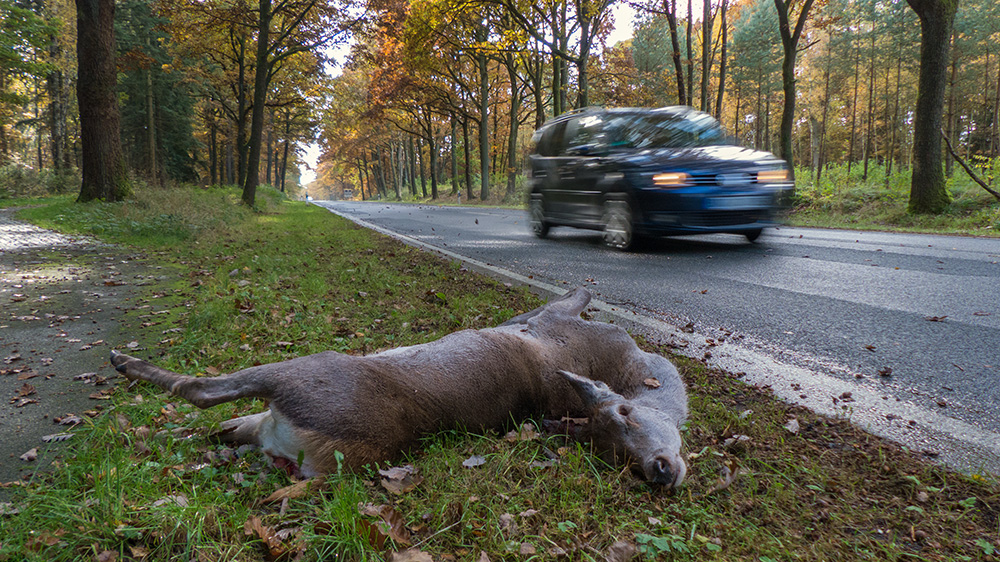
590 391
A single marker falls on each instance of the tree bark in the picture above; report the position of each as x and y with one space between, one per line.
105 175
484 131
260 82
789 43
722 61
706 49
670 7
927 186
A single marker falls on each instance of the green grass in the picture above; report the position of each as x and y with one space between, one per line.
143 481
849 201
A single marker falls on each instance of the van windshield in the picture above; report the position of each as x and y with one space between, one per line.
663 131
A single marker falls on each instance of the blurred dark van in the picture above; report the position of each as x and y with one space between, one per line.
633 172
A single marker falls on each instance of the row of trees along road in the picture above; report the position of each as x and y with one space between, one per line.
447 92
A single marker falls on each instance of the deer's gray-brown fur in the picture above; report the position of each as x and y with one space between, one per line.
374 407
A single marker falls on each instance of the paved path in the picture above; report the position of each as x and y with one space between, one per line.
61 301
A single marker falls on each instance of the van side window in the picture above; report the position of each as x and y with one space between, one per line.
552 140
587 133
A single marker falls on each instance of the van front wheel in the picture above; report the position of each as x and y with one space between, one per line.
536 217
618 231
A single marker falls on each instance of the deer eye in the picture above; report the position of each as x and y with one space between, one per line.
624 410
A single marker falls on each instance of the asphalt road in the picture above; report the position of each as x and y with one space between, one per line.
812 313
61 305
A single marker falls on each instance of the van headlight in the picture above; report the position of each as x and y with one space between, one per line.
670 179
772 176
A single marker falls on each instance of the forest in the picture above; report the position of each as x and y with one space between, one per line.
435 98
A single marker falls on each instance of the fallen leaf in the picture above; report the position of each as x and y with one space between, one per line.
736 439
727 475
31 455
792 426
411 555
528 513
392 525
107 556
527 549
139 552
297 490
885 371
525 433
37 542
179 500
474 461
26 390
254 526
935 318
651 382
621 551
400 480
103 394
870 347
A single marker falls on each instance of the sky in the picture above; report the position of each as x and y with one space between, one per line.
624 14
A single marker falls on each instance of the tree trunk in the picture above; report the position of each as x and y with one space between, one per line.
670 7
213 150
413 165
104 173
690 55
260 82
515 108
455 187
854 112
420 160
789 43
722 61
706 59
484 131
468 158
927 186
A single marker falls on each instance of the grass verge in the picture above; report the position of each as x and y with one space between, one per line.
141 481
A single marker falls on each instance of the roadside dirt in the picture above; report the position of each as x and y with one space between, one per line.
63 302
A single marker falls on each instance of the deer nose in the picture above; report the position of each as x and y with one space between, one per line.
662 471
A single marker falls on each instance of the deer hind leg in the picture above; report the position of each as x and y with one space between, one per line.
202 392
244 430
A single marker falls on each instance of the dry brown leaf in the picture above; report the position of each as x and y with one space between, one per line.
483 557
621 551
139 552
31 455
371 533
411 555
106 556
527 549
400 480
727 475
935 318
395 525
474 461
179 500
525 433
271 539
651 382
297 490
37 542
26 390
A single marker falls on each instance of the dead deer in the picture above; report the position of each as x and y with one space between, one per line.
548 361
